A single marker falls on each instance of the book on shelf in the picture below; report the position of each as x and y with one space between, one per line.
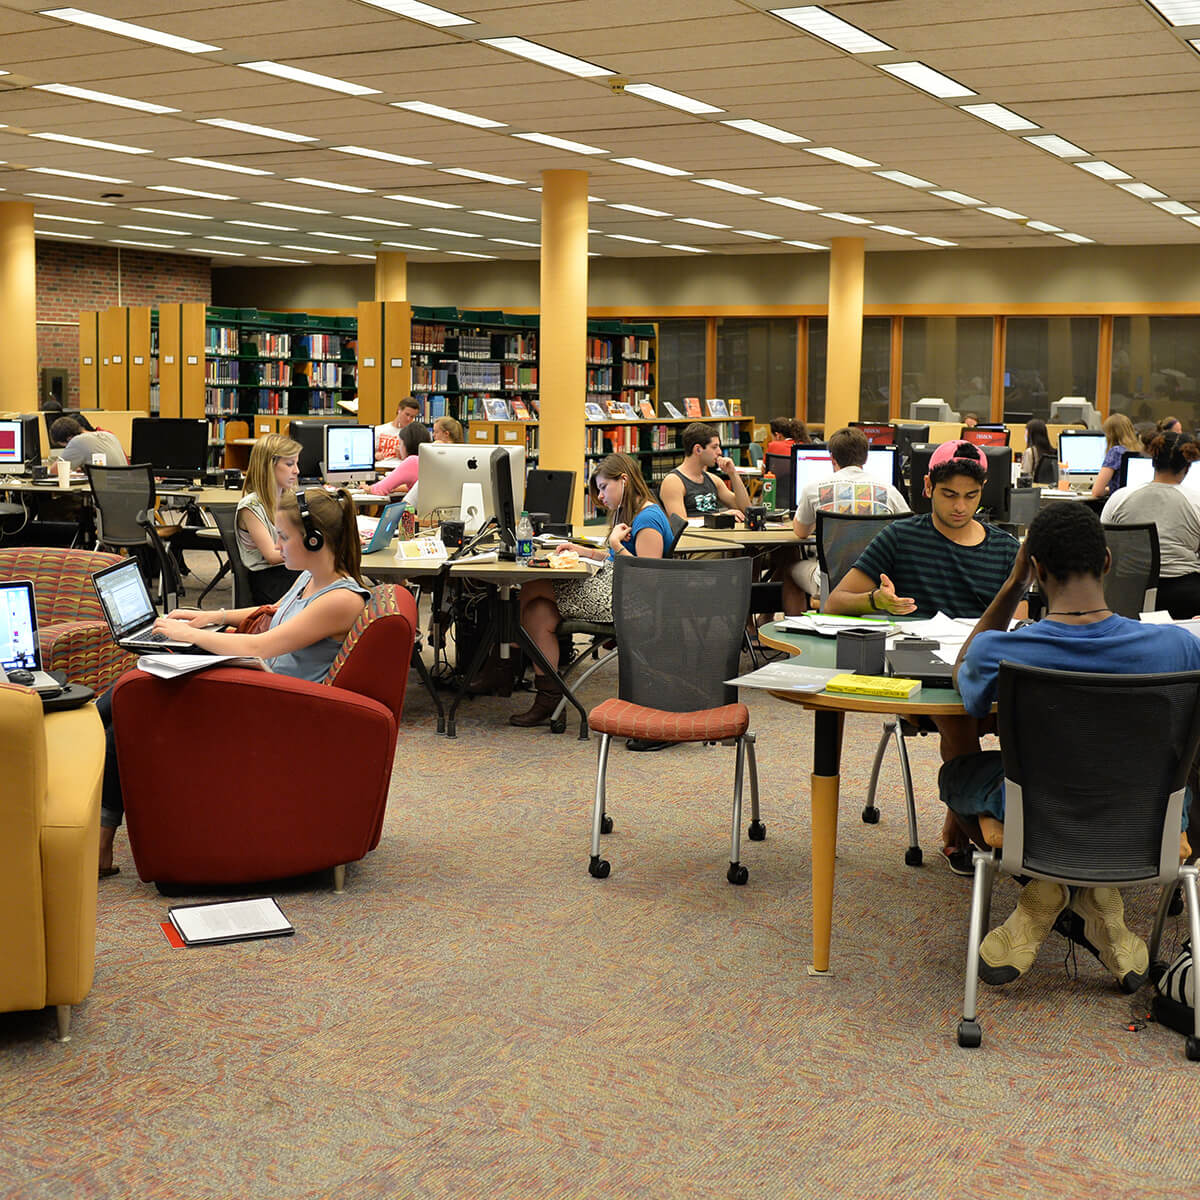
647 410
520 411
594 412
716 408
692 406
496 408
673 411
735 406
625 410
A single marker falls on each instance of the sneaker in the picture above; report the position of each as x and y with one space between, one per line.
960 861
1109 938
1010 949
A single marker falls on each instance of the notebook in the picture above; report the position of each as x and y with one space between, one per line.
385 529
130 612
19 650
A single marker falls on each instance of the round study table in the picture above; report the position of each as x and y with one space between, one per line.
829 709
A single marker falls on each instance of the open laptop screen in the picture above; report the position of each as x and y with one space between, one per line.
18 627
122 592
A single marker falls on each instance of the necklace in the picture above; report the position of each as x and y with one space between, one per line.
1083 612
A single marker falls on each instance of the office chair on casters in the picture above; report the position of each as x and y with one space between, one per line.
841 538
1131 585
225 516
1088 820
679 631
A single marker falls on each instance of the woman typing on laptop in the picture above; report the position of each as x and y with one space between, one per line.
318 537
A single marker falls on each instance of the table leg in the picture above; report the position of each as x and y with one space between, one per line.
827 753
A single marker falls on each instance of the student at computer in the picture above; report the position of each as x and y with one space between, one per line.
272 471
1065 552
448 431
1122 440
691 490
407 411
79 441
1175 513
1170 425
1038 460
970 420
401 480
307 627
786 432
637 526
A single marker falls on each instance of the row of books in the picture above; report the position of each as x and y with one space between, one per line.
334 346
635 347
636 373
475 345
277 374
219 339
520 347
223 402
639 401
716 407
519 378
484 375
218 370
428 339
599 350
328 374
261 341
600 379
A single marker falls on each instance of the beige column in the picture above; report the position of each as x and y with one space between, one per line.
562 343
18 306
844 345
391 275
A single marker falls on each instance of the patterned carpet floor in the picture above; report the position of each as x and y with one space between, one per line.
477 1017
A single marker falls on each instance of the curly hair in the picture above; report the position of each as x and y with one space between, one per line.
1066 540
1174 452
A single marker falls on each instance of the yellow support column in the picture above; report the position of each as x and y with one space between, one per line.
18 306
843 385
391 275
562 346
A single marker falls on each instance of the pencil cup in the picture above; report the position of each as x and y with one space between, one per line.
860 651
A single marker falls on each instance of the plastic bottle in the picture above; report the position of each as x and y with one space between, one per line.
768 490
1064 477
524 539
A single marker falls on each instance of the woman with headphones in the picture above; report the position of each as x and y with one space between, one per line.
318 536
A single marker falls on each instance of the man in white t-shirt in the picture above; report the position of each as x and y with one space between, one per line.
79 443
848 490
387 437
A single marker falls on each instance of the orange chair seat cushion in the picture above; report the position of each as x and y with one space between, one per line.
619 718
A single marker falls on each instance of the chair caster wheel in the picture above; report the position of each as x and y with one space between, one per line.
1175 908
970 1035
870 815
737 874
913 856
559 726
1193 1049
606 824
757 831
599 868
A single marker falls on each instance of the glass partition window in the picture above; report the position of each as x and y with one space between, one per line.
680 361
949 358
1155 368
756 361
1047 358
875 384
818 337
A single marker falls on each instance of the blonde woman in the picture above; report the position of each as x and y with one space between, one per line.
448 431
1122 440
273 470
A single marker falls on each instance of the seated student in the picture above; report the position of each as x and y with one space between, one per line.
970 420
1065 552
79 441
1118 430
637 526
407 412
691 490
307 628
1175 512
848 490
404 476
1170 425
1038 460
786 432
272 471
448 431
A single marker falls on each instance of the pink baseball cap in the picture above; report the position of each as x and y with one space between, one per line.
957 451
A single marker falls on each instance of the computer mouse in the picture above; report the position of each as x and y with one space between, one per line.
21 676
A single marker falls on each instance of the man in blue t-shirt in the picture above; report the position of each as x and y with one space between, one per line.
1066 553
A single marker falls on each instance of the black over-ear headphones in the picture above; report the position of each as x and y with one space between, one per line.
314 539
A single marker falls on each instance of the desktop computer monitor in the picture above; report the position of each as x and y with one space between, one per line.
504 505
349 453
1082 451
876 434
931 409
907 436
550 492
1074 409
443 469
998 484
985 435
783 467
32 423
12 446
811 465
918 468
175 447
310 433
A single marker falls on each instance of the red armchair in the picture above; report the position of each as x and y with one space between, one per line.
72 632
234 776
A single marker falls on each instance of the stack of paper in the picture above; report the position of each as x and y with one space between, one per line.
171 666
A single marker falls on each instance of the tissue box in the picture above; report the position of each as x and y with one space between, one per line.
861 651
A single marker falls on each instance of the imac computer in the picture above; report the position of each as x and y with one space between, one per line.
310 433
445 468
1081 452
175 447
349 454
12 447
811 465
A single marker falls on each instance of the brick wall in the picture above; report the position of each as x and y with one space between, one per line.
73 278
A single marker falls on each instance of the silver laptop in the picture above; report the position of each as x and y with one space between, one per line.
19 650
130 612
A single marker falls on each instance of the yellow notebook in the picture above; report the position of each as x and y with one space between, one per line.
874 685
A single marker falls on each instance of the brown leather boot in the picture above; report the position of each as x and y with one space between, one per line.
545 701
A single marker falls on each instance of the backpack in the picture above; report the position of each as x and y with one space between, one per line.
1175 993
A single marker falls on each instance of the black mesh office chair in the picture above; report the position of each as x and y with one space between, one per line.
679 633
1083 818
124 501
225 516
1131 585
841 538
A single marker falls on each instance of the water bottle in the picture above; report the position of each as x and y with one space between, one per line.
524 540
768 490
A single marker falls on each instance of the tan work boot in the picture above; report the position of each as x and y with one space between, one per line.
1115 944
1010 949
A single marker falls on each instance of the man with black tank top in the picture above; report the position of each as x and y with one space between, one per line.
692 490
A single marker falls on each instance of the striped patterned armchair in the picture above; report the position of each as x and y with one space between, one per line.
72 632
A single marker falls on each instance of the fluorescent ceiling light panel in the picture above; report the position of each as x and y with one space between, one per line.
272 258
220 166
378 221
428 14
912 181
369 257
333 187
74 220
784 202
408 246
63 233
316 212
637 208
815 20
722 186
1103 170
468 173
341 237
842 156
927 79
156 229
216 250
404 160
296 75
936 241
280 135
450 232
420 200
896 230
546 139
447 114
1058 146
807 245
115 147
628 237
956 197
686 249
702 223
1174 207
470 254
487 212
65 89
1143 191
662 95
1178 12
770 132
1189 220
182 191
546 56
76 175
847 217
514 242
1077 238
141 33
644 164
1043 227
754 233
216 237
1006 214
170 212
260 225
998 115
70 199
148 245
308 249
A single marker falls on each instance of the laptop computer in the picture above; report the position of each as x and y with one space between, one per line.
130 612
385 528
19 650
922 665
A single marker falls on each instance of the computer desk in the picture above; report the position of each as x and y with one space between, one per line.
829 711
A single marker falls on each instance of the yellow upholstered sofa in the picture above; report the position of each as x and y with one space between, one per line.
49 847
